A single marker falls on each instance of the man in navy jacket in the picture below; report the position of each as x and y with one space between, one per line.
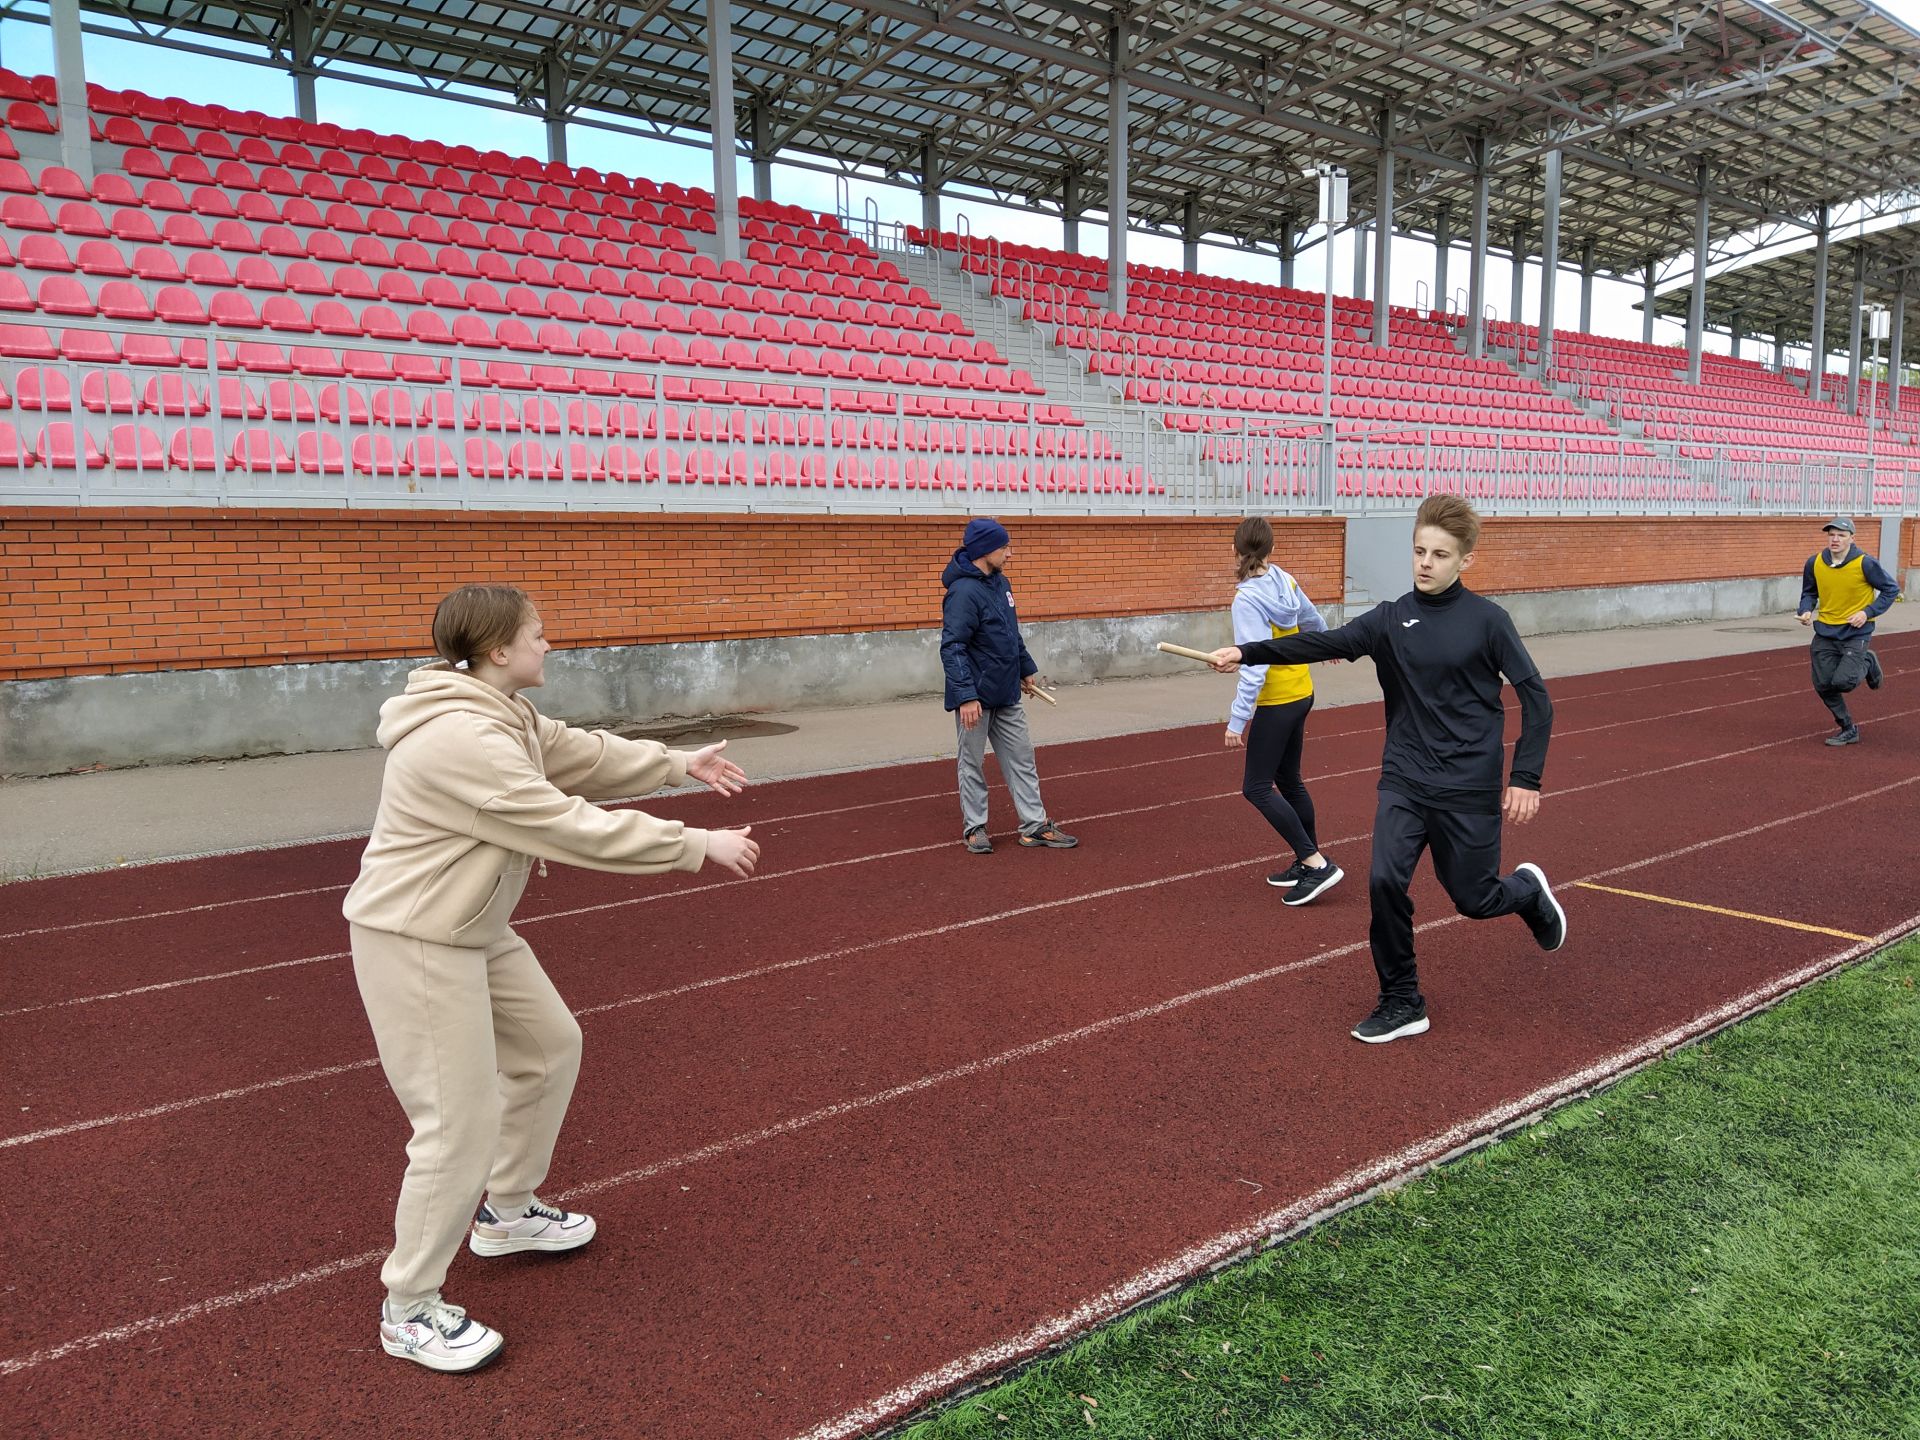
988 671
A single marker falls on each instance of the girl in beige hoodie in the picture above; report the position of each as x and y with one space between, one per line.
478 1046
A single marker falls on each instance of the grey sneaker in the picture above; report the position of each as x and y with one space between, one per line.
1051 836
978 843
1848 736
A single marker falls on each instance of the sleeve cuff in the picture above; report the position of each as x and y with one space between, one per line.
693 853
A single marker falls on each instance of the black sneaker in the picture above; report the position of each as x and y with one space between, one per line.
1874 673
1051 836
1392 1019
1283 879
978 843
1547 921
1848 736
1312 883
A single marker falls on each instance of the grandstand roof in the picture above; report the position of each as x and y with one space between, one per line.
1772 293
1786 105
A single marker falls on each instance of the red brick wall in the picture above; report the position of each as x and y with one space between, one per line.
1910 529
1558 554
89 591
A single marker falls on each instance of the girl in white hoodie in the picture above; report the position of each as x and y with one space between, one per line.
479 1047
1270 708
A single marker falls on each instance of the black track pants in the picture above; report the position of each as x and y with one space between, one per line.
1272 784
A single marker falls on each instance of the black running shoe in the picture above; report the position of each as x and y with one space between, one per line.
1313 883
1848 736
1393 1018
1284 879
1874 674
978 843
1547 920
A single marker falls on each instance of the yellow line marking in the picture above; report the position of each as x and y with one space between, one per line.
1720 910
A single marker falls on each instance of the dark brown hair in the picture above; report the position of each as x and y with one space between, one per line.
1253 542
1453 515
476 619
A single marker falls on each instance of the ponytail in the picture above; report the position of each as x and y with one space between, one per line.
1253 542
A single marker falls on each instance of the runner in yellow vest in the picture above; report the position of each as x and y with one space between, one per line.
1269 715
1843 590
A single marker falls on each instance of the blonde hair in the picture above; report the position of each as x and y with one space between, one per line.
1453 515
476 619
1253 543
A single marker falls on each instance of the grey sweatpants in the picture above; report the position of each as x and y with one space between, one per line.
1013 747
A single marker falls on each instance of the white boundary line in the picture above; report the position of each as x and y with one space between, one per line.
875 805
1354 1188
1394 1168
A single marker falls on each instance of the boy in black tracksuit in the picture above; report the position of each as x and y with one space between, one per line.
1440 651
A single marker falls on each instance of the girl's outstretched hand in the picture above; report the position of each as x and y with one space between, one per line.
733 850
715 771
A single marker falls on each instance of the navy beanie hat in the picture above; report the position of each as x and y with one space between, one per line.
983 537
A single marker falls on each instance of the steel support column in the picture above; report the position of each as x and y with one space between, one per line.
760 141
1383 229
1516 312
1856 330
1070 211
1287 239
1477 252
1442 243
1817 356
1190 235
554 107
929 185
1896 344
1117 169
726 164
1646 302
1587 267
1549 257
1361 234
300 35
1735 323
1697 301
70 82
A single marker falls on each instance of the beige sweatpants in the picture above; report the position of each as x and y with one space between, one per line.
482 1054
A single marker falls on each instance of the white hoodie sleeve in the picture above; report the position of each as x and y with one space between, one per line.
1248 625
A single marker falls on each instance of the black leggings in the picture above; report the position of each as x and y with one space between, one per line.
1272 783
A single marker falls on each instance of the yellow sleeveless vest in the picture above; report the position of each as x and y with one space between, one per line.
1285 683
1844 591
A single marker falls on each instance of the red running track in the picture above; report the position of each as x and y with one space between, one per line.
888 1117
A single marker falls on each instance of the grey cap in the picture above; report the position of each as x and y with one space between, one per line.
1839 522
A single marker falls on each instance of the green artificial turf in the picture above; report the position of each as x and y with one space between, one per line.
1725 1244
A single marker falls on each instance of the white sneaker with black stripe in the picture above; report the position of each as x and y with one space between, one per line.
543 1227
439 1336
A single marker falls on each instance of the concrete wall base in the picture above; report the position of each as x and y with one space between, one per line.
49 727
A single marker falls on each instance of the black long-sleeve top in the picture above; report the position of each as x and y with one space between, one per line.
1440 659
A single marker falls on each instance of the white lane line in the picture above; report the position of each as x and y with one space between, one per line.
191 1102
656 897
1352 1189
1388 1168
783 819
